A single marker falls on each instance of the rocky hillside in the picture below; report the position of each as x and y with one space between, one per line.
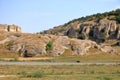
98 27
10 28
46 44
77 37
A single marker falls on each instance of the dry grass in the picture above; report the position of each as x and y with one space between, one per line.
7 54
63 72
103 57
88 58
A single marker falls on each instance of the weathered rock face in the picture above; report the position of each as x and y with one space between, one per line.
107 49
81 47
105 29
99 31
60 44
118 32
71 33
97 27
10 28
30 45
36 44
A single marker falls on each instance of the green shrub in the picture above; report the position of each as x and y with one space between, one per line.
118 19
22 74
49 46
81 36
37 74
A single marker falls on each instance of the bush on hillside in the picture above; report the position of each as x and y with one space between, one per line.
49 46
81 36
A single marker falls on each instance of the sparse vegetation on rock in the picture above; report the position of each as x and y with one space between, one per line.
49 46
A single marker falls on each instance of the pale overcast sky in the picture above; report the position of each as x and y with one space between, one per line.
37 15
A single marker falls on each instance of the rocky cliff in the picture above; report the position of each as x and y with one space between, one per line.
97 27
10 28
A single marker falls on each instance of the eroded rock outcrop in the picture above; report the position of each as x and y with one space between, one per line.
30 45
104 26
10 28
98 27
107 49
36 44
81 47
98 31
60 44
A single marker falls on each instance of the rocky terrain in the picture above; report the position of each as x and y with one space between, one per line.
97 27
27 45
10 28
77 37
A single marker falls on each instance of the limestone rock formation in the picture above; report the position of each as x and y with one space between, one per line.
60 44
10 28
30 45
97 27
81 47
107 49
36 44
97 31
71 33
118 32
